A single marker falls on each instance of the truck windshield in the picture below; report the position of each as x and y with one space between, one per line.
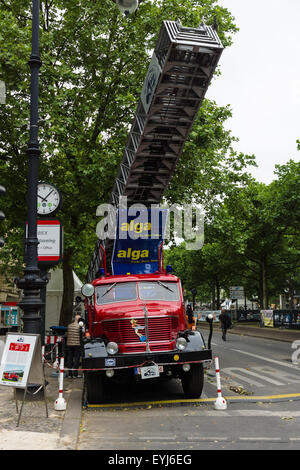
116 292
157 290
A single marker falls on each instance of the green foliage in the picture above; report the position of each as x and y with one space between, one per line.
94 63
251 239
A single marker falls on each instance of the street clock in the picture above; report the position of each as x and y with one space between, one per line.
49 199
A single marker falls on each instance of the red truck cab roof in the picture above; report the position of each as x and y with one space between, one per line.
108 279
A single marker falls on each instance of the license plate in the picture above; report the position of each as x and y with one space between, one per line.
149 372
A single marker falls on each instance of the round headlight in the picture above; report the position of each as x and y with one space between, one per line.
181 343
112 348
88 290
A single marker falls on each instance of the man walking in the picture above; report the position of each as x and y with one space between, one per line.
225 322
73 347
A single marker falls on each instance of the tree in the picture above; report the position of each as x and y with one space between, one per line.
94 63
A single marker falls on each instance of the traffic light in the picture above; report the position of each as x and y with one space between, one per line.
2 215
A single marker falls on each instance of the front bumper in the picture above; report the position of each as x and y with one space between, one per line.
123 361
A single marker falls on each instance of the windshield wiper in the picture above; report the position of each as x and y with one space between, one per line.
164 285
106 292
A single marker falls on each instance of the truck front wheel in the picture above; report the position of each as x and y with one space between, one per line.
192 381
94 385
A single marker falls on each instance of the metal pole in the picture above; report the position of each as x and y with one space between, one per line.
31 283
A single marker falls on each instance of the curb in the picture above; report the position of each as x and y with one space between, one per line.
259 333
70 429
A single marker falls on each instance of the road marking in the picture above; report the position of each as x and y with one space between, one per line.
199 438
155 438
260 438
197 401
262 358
290 378
232 371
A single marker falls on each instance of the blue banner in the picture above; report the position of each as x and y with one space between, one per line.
138 238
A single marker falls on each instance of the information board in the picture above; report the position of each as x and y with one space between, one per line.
21 366
17 358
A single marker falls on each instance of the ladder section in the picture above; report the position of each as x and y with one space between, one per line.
179 74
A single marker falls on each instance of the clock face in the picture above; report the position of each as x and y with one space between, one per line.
48 199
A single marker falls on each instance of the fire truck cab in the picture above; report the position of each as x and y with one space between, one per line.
137 329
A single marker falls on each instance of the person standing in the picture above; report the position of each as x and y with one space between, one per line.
225 322
191 320
73 347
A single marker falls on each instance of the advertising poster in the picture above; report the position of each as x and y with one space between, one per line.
267 317
202 315
16 360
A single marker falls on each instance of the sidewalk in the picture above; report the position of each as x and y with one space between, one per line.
59 431
277 334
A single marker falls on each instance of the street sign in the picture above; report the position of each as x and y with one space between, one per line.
50 237
236 292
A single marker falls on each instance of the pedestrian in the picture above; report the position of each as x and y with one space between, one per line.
73 347
225 322
191 320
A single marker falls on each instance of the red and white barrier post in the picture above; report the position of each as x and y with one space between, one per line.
220 403
60 403
56 363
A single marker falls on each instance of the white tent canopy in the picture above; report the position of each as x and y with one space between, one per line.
54 296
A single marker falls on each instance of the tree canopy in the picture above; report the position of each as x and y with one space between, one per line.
94 63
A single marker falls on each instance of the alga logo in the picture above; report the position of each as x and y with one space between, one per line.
133 254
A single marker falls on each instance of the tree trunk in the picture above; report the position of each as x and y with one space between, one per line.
218 293
213 298
66 311
265 285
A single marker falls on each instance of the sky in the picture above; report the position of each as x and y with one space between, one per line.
261 81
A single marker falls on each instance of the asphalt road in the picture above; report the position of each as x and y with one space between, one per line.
250 368
259 366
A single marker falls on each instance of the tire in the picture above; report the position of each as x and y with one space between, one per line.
94 387
192 381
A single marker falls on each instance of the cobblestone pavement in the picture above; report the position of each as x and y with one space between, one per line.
35 431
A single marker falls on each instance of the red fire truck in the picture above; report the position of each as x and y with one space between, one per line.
138 329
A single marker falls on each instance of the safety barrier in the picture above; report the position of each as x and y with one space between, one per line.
286 318
220 403
248 315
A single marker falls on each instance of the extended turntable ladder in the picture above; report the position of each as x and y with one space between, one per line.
179 74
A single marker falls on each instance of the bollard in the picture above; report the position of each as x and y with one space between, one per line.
220 403
56 362
60 404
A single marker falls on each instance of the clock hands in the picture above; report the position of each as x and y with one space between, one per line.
45 198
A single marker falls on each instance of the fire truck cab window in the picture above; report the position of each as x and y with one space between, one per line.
167 291
117 292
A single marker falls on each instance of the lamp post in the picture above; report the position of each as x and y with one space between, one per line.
31 282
